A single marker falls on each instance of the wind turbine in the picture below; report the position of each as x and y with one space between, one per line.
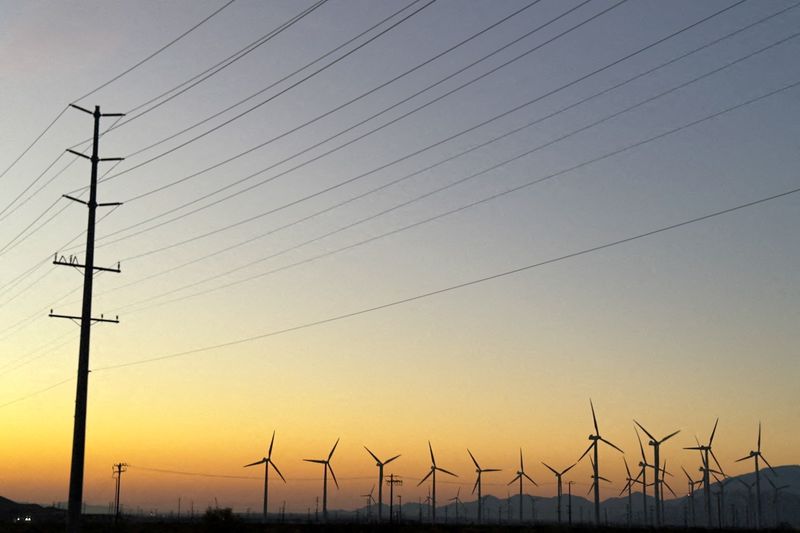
749 502
432 474
380 465
705 450
521 474
692 484
755 455
663 481
558 483
457 501
370 500
776 490
477 485
327 468
267 461
656 444
595 467
629 481
643 473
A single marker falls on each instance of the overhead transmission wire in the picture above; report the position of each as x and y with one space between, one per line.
439 216
283 91
434 165
61 113
320 58
516 108
185 86
101 244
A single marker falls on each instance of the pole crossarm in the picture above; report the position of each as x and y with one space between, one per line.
77 318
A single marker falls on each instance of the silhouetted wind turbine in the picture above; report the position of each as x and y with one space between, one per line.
370 500
558 484
656 444
267 461
776 490
629 481
432 472
755 455
327 468
704 451
477 485
663 481
595 467
520 475
457 500
380 465
643 473
692 484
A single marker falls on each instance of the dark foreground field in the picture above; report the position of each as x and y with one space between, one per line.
167 527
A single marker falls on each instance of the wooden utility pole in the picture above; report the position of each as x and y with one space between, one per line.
86 321
118 469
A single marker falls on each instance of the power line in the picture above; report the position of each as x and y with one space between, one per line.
356 139
275 83
151 56
451 288
38 137
260 215
292 86
449 212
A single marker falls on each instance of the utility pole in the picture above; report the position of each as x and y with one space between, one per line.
392 481
86 321
399 507
569 502
118 469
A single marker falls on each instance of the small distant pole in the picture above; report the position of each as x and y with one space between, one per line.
569 502
179 508
118 469
392 481
399 507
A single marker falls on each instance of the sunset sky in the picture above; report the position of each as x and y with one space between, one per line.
250 300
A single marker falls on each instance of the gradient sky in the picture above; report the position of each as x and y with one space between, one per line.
673 330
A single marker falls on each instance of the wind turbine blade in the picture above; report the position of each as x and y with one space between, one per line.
372 454
473 459
645 431
372 490
625 488
491 470
529 478
335 444
669 436
433 461
516 478
746 457
271 442
641 448
570 467
387 461
318 461
715 460
254 464
713 431
521 466
670 489
587 450
693 448
553 470
687 474
594 418
278 471
604 479
330 469
627 470
759 437
591 487
769 465
426 477
446 471
612 445
475 486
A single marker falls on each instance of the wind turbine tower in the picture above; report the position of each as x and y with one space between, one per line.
327 468
756 455
267 461
656 444
477 485
380 464
595 439
520 475
558 485
432 474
